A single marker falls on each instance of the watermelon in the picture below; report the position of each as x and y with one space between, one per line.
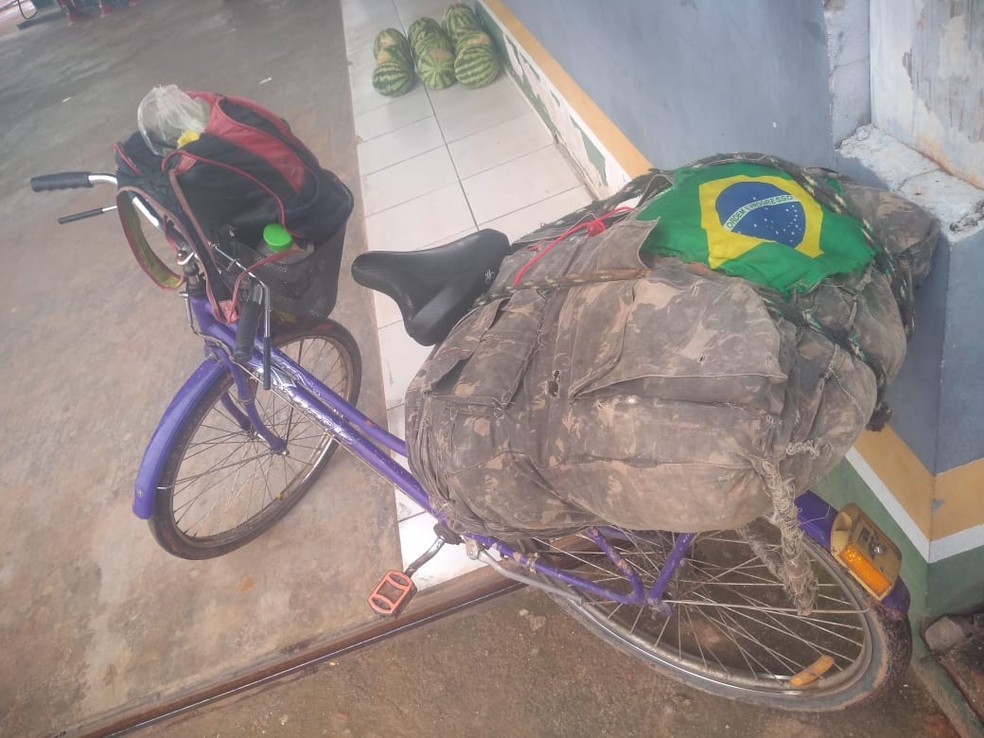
393 78
459 20
429 41
477 38
421 26
436 68
395 54
389 37
476 66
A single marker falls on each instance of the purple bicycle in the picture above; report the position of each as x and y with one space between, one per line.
264 413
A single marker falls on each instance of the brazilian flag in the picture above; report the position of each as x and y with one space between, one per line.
754 222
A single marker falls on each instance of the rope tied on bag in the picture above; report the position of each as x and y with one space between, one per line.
792 565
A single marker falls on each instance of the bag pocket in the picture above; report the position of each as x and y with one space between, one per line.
676 336
455 349
484 358
264 148
494 371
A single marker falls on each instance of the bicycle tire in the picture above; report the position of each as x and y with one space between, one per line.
733 631
192 490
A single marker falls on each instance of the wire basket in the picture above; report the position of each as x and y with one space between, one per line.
303 288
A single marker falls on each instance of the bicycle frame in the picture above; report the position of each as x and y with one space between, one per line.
373 445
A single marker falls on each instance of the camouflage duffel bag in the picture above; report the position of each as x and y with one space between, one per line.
629 372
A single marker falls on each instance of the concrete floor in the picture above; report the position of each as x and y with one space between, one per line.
95 618
518 667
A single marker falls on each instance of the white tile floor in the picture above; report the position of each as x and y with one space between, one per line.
437 165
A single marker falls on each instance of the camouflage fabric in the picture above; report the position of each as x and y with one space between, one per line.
590 386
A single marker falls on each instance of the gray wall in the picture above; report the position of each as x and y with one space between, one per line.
914 394
689 78
938 395
927 79
961 419
849 50
696 77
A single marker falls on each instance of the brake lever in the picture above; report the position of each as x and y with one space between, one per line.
84 214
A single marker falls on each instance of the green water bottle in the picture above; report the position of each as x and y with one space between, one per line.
277 240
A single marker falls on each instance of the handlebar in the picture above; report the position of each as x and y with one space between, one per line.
74 180
256 305
70 180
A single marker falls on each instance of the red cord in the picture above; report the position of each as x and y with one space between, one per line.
265 260
593 228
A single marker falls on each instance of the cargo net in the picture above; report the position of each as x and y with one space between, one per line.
790 564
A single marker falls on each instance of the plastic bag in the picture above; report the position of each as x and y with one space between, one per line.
168 118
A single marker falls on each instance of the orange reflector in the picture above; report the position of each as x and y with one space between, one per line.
864 570
812 672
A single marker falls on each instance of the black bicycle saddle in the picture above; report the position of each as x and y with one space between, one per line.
435 287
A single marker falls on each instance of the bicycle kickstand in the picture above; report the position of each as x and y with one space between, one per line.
396 588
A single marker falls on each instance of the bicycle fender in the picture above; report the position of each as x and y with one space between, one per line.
816 519
201 381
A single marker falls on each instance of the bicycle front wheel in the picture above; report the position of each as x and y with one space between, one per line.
221 484
732 630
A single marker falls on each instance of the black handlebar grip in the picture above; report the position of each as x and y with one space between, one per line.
60 181
249 319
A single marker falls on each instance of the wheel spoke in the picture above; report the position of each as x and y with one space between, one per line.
225 485
738 634
728 619
230 470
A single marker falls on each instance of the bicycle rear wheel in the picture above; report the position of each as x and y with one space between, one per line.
221 485
732 630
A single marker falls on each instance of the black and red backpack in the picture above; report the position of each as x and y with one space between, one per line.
217 193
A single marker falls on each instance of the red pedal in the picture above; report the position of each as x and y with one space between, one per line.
392 593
